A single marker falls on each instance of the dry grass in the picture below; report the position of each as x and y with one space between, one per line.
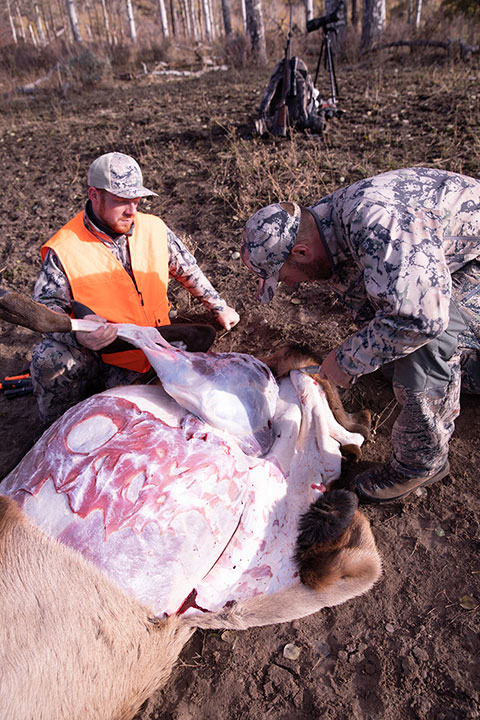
396 113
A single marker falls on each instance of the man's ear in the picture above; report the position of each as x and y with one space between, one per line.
92 193
302 253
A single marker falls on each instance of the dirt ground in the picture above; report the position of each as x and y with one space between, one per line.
410 647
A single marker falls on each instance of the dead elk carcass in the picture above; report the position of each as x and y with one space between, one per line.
175 515
73 646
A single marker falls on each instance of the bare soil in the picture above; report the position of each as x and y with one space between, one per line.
410 647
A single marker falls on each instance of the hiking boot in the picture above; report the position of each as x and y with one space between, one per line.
384 484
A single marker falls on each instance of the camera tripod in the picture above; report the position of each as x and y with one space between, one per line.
327 53
327 23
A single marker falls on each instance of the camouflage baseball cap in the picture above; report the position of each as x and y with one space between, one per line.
267 240
119 174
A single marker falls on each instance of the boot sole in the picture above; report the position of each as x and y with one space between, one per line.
440 475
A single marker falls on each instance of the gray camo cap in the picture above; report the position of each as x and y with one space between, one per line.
267 240
119 174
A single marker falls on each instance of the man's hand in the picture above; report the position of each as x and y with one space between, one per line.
97 339
228 318
330 371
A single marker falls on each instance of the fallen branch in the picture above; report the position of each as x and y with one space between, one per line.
450 46
30 88
184 73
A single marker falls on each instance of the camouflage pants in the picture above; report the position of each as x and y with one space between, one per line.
63 373
427 383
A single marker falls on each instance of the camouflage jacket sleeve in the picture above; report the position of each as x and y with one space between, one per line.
52 287
53 290
183 267
406 280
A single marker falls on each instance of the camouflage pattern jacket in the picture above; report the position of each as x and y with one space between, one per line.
52 287
394 241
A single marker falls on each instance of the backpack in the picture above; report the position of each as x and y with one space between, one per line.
304 109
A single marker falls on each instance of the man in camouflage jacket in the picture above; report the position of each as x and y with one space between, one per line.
402 251
68 367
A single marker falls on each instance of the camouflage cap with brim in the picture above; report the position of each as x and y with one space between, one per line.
268 238
119 174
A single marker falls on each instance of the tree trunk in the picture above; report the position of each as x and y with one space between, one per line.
338 39
32 35
21 27
410 12
373 23
207 18
106 22
12 24
195 18
91 24
256 29
173 19
163 18
308 10
227 18
244 16
418 14
131 21
73 17
354 14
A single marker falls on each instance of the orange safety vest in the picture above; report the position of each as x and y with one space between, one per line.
99 281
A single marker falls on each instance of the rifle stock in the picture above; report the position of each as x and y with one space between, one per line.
279 127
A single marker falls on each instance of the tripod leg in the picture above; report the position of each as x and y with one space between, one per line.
318 63
331 71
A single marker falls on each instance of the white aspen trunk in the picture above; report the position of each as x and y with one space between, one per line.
38 19
73 17
187 23
32 34
163 18
227 18
21 27
256 29
66 26
207 18
244 16
12 24
418 14
91 25
131 21
214 18
195 20
106 22
48 23
308 10
373 22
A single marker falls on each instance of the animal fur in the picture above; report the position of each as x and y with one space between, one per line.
337 560
73 646
295 357
335 542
